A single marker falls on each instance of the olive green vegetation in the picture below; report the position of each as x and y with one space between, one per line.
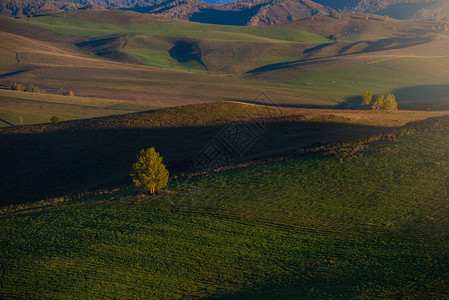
374 226
385 102
366 98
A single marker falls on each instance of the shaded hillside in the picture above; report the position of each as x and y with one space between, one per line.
41 161
361 27
109 47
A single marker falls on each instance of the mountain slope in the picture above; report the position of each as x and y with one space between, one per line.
399 9
245 12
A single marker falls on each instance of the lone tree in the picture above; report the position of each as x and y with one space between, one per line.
149 173
385 102
366 98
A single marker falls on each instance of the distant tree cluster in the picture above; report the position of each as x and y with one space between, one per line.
15 86
380 102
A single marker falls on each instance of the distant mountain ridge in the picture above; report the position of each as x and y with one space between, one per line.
398 9
243 12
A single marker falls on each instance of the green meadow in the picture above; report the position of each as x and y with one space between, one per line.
373 226
270 34
409 78
37 108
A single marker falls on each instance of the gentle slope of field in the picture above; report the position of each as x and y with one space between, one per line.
39 108
315 227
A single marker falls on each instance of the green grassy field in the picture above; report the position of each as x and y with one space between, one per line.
407 78
274 34
40 107
161 58
316 227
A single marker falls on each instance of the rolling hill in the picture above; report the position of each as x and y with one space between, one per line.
296 64
275 190
373 224
181 133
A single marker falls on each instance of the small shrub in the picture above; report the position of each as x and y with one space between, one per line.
55 120
149 173
69 93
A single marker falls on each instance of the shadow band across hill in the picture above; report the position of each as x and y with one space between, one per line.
78 157
424 98
372 46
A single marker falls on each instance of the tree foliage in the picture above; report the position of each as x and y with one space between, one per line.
149 173
32 89
385 102
367 98
16 86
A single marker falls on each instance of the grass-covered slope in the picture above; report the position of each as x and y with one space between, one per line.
374 226
303 68
96 153
65 23
38 108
